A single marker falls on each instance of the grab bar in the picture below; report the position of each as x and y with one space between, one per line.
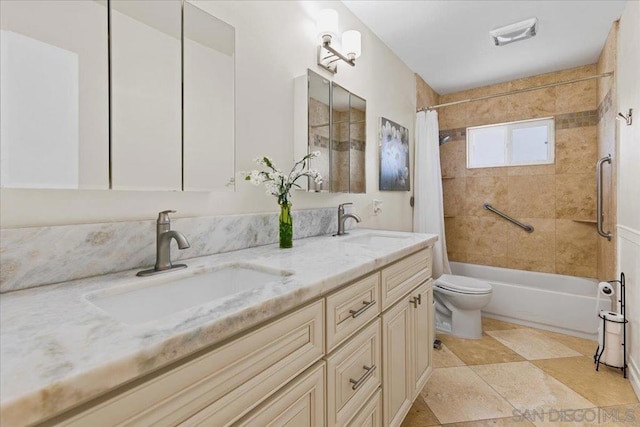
527 228
599 209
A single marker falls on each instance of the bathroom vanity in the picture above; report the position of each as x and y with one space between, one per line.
342 336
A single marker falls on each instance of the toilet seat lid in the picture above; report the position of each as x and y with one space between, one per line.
463 284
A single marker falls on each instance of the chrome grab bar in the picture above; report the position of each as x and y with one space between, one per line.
527 228
599 209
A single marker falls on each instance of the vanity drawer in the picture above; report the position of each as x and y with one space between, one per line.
353 375
351 308
404 275
228 381
371 414
301 403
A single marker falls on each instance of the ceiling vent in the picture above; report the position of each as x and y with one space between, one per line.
514 32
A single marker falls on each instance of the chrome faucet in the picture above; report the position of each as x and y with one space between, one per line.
342 217
164 234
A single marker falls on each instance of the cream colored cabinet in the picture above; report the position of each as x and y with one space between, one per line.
396 362
299 404
406 333
353 375
351 308
406 352
421 340
404 275
357 357
225 383
371 414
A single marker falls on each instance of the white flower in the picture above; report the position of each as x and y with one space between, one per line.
276 182
256 177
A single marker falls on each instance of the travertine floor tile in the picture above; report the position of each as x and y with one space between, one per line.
420 415
528 388
604 388
483 351
458 394
583 346
444 358
532 344
489 324
496 422
618 416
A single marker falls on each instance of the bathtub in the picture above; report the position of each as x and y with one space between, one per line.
554 302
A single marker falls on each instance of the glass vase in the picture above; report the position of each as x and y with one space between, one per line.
286 226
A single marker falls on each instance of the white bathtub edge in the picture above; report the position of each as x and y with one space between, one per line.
531 324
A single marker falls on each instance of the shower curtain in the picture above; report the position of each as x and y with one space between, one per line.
428 214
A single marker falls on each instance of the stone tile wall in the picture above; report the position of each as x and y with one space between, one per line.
607 137
558 199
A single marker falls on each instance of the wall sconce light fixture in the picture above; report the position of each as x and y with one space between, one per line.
328 54
625 118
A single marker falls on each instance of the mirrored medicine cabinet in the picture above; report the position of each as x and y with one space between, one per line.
121 94
331 120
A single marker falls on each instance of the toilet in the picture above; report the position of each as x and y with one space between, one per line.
459 301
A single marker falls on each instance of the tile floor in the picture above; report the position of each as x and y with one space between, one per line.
520 376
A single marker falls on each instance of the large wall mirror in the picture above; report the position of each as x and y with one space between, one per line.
54 94
146 95
152 110
333 123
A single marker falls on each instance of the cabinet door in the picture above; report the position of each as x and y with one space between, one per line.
422 342
396 362
300 404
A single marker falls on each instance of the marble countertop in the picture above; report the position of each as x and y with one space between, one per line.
58 349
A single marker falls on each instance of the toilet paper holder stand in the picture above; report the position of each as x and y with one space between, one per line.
624 321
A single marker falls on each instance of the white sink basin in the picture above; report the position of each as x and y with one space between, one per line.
376 239
144 300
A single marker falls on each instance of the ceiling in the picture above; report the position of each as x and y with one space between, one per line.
447 42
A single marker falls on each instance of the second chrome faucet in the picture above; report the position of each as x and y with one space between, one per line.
164 234
342 217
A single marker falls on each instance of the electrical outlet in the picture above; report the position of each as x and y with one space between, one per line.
377 207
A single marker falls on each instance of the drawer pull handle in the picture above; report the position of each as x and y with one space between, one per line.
363 378
367 304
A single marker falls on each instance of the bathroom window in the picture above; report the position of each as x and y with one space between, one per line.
527 142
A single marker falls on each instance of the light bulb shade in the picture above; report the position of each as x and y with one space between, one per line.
327 23
352 44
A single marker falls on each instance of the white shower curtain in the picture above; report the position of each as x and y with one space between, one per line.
428 213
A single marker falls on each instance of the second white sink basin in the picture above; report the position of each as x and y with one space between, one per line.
145 300
375 239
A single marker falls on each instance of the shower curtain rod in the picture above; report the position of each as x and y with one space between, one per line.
513 92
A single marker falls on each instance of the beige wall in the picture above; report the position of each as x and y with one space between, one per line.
558 200
607 101
276 42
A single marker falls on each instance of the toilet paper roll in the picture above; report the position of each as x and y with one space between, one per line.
606 289
612 339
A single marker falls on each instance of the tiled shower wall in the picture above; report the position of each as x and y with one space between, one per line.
557 199
606 99
347 156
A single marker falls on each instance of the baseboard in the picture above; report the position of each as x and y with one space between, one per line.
536 325
634 376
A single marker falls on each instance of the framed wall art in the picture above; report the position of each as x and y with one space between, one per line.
394 156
